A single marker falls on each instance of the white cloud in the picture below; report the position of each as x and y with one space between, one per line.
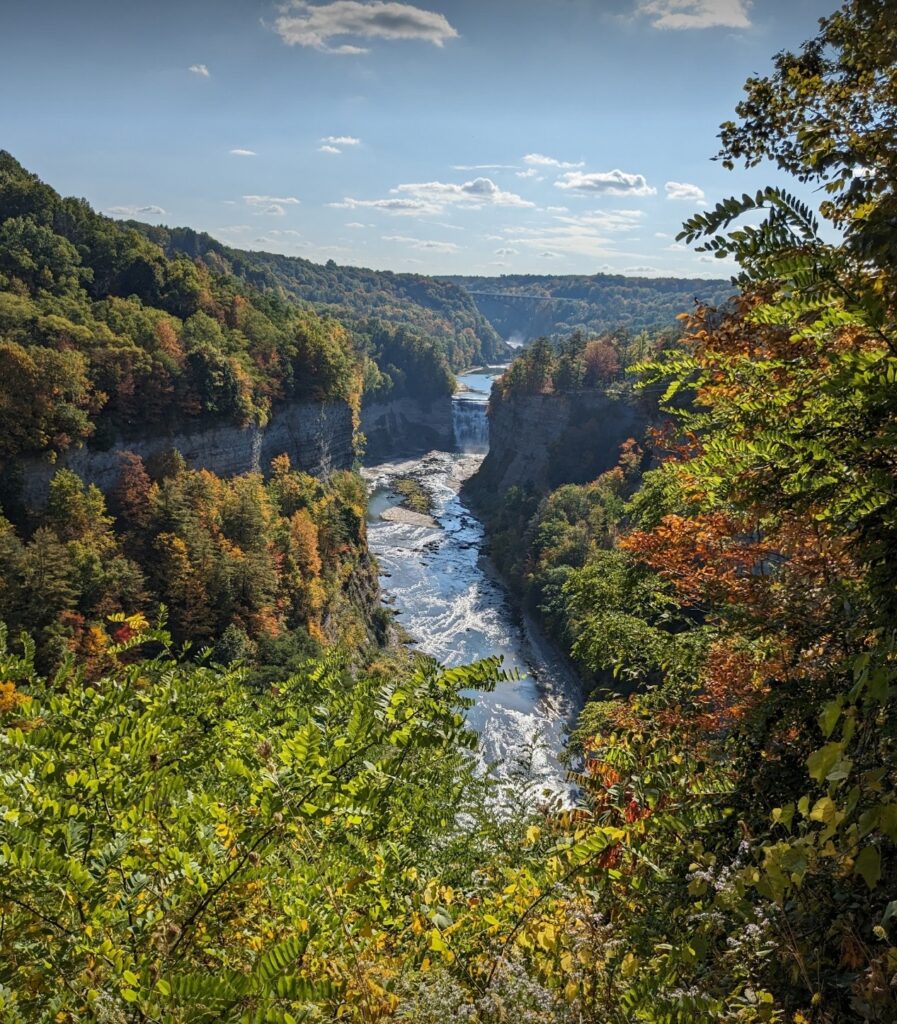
549 255
357 225
317 25
479 191
136 211
403 207
340 140
540 160
267 200
661 234
530 172
243 152
611 221
612 183
329 149
430 198
201 70
572 239
686 14
484 167
423 244
272 206
682 190
507 252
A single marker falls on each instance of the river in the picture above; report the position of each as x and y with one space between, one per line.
448 599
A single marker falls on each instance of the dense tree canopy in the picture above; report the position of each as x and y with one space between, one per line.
183 841
434 309
526 306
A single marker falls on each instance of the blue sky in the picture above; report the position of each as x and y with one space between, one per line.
447 136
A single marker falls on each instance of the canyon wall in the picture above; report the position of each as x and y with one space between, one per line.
316 436
406 426
543 441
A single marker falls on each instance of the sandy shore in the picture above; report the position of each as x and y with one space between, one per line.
397 514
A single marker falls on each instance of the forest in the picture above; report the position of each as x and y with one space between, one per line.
104 336
526 306
229 793
436 309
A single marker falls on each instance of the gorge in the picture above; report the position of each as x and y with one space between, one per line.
448 599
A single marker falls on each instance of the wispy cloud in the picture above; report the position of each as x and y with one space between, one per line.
433 197
479 191
683 190
540 160
530 172
321 26
571 239
507 252
272 206
609 221
484 167
201 70
612 183
696 14
243 152
264 200
406 207
334 143
424 244
136 211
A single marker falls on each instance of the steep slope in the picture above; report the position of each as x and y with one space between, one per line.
438 309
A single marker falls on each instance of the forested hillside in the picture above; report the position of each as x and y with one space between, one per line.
527 306
355 295
102 334
266 573
196 836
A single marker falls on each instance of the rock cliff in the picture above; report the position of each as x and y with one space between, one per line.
406 426
543 441
317 437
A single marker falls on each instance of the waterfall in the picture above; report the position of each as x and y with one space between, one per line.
471 426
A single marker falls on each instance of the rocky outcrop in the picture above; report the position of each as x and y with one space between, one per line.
318 437
543 441
406 426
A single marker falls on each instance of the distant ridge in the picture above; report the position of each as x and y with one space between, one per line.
527 306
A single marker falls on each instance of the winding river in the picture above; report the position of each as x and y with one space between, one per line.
448 599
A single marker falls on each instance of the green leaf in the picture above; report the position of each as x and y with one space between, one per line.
868 866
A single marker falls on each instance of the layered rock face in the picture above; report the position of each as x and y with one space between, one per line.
543 441
406 426
316 436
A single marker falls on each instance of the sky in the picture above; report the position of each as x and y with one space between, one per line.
445 137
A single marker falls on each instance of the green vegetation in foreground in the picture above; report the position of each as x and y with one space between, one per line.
179 846
415 496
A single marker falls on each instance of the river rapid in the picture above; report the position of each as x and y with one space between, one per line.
450 602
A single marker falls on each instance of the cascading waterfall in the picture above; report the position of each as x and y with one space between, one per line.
471 425
434 576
